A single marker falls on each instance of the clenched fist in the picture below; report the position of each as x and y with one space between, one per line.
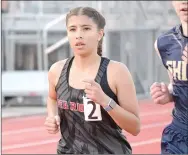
94 92
52 124
160 93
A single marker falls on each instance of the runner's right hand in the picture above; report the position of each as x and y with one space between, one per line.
160 93
52 124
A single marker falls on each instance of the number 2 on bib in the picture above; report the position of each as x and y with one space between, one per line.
90 116
92 111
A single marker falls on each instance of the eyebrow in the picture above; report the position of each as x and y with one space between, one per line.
81 26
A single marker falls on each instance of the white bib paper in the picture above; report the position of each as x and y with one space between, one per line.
92 110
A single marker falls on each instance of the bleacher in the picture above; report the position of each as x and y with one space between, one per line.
24 40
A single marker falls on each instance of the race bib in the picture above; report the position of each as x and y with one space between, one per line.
92 110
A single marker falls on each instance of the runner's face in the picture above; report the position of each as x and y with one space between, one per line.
181 8
83 34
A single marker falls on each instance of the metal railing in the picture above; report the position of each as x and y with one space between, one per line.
56 45
47 50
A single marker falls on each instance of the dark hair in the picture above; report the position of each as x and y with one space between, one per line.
93 14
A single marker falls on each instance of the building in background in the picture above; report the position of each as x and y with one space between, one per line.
132 27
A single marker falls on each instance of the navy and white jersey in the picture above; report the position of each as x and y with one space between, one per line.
171 45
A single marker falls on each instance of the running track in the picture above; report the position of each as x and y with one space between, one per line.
27 134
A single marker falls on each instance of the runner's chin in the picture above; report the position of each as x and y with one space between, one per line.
80 50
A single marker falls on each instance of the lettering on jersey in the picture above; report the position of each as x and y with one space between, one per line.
65 105
72 106
59 104
178 69
80 107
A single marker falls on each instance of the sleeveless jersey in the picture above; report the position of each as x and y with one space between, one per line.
80 136
171 45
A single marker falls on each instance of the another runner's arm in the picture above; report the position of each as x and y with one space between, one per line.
169 74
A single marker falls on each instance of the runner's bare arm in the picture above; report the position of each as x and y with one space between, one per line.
53 77
126 114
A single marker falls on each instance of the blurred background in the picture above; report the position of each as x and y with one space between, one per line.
34 37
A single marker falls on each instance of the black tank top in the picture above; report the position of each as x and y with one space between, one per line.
80 136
